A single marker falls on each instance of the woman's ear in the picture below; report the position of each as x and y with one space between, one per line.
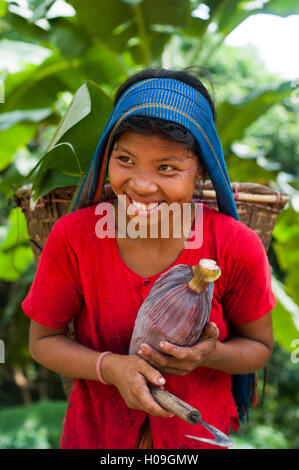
200 172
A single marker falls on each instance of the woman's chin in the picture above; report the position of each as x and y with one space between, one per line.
165 221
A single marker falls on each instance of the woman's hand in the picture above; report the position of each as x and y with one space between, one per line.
176 360
130 375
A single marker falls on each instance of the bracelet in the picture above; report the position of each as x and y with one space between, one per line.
98 366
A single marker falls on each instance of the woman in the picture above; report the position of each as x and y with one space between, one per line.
158 141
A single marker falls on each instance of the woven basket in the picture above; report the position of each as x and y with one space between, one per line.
258 207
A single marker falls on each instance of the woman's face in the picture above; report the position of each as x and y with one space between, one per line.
152 169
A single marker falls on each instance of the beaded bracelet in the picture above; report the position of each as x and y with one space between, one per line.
98 366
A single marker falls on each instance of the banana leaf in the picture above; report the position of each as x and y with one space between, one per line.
74 142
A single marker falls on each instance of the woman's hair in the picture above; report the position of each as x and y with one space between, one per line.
155 126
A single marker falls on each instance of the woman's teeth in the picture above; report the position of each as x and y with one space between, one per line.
145 207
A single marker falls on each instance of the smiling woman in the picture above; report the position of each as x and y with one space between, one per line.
159 140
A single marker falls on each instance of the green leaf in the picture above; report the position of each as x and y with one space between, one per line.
3 8
281 7
15 253
235 116
121 34
17 230
12 139
13 262
22 25
53 179
85 134
286 247
232 15
8 120
79 108
76 138
117 22
11 180
100 18
84 121
239 169
170 12
39 8
101 65
55 74
61 157
195 26
68 37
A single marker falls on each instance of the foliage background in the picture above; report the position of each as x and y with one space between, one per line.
54 63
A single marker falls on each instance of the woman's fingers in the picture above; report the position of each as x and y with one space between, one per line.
210 331
151 374
149 404
172 358
180 360
130 375
142 394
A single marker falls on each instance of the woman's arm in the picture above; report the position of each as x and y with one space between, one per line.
246 352
55 351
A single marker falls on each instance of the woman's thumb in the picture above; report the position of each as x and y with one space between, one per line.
210 330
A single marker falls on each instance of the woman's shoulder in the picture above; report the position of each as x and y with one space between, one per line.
74 219
79 219
227 228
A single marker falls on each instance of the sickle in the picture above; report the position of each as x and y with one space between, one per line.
188 413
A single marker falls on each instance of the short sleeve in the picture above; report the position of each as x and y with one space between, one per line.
247 293
55 295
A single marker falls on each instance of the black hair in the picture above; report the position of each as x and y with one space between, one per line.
148 125
155 126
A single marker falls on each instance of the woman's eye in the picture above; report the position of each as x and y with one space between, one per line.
123 159
167 166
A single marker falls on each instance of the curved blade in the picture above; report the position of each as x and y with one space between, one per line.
221 439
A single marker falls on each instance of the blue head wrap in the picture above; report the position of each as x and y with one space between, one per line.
174 101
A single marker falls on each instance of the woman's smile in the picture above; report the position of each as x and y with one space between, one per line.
143 208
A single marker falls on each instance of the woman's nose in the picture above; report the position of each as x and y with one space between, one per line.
143 184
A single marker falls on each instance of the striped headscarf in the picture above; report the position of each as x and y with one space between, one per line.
171 100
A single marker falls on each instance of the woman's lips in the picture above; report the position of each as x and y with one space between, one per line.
142 211
142 202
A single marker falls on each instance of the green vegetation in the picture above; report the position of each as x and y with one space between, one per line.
37 426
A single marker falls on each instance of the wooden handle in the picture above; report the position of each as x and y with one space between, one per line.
175 405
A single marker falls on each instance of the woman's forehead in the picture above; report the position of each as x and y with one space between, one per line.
131 140
153 148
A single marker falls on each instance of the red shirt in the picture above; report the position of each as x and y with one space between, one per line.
83 276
